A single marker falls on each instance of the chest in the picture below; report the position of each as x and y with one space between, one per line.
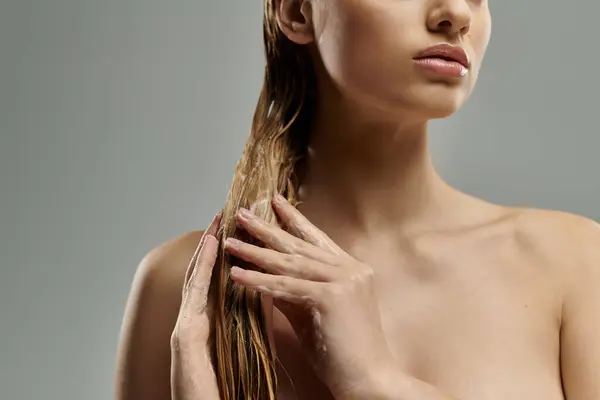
483 328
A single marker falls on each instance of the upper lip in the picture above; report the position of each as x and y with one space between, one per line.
446 51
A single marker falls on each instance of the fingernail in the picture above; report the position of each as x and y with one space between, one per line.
280 199
236 271
246 213
232 243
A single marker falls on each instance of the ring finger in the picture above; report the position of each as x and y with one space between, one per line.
277 263
280 240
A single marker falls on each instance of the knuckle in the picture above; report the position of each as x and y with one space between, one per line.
369 273
304 233
336 290
322 294
200 292
175 339
292 248
281 283
291 262
364 272
358 277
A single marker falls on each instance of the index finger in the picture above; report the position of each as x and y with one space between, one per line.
298 225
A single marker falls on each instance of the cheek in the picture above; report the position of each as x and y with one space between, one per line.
364 48
480 36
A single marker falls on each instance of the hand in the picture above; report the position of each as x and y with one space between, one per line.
192 372
328 297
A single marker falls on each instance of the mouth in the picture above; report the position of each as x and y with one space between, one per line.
446 52
444 59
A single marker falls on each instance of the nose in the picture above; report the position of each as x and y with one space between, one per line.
450 17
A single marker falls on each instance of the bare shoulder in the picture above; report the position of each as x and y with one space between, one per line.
558 232
572 243
567 241
165 265
144 353
161 272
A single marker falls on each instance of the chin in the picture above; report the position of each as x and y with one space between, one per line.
440 110
417 103
438 102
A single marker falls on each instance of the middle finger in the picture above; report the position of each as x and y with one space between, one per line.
280 240
274 262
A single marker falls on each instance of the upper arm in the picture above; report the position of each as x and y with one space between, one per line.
580 332
144 351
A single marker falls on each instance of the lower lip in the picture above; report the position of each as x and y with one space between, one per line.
439 66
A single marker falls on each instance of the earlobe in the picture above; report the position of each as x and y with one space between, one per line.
294 18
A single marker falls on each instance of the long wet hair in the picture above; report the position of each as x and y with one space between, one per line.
270 164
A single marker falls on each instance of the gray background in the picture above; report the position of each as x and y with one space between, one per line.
121 122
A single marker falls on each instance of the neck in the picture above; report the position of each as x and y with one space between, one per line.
373 178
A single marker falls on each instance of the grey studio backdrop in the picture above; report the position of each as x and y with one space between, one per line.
121 122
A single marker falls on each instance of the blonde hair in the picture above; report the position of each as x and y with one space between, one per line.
271 163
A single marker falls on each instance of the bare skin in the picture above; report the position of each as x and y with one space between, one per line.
483 302
477 312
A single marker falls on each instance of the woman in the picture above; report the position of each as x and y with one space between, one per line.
386 281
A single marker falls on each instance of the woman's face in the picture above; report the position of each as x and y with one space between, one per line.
367 49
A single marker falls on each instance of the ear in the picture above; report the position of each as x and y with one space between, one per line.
295 19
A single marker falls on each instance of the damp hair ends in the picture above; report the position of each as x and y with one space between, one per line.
271 163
